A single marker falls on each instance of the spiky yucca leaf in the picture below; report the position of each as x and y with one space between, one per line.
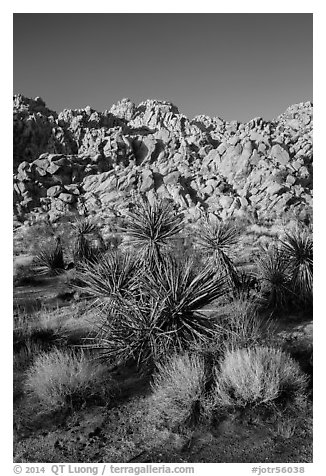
216 240
133 334
184 291
246 286
114 274
84 251
166 317
298 251
84 227
83 248
150 227
273 274
186 287
51 259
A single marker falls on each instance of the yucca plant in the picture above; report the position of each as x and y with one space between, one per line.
115 275
216 241
51 259
132 334
167 316
83 249
245 286
150 227
185 288
184 291
273 275
298 252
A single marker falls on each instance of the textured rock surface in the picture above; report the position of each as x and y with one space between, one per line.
86 161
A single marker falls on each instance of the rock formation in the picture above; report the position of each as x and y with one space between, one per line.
85 161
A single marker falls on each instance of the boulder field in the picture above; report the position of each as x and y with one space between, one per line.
88 162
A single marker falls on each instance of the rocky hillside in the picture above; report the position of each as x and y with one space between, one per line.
85 161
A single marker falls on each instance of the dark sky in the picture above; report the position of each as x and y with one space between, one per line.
235 66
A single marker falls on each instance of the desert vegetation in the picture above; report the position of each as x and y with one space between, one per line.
168 319
60 378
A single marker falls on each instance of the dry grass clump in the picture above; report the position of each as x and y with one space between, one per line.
259 375
29 333
178 389
25 273
65 327
52 327
242 326
238 325
60 378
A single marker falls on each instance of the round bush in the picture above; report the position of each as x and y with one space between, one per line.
178 390
60 377
258 375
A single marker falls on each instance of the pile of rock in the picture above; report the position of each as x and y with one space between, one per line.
85 161
36 130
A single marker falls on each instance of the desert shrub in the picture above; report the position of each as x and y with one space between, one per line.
29 334
35 334
286 427
166 317
216 240
297 249
24 355
273 275
61 378
241 326
62 326
301 350
77 330
238 325
21 322
35 236
49 328
259 375
150 226
244 327
40 235
50 260
178 391
25 272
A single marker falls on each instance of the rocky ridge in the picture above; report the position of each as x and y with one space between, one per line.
84 161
